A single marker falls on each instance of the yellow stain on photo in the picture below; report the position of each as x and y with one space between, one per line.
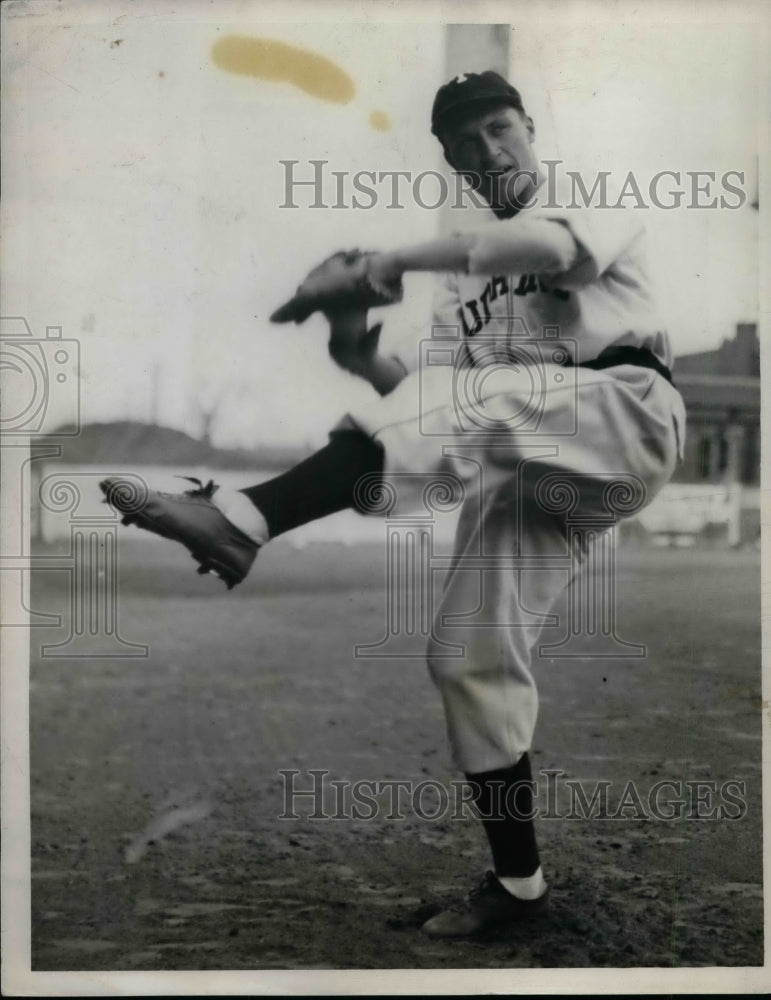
314 74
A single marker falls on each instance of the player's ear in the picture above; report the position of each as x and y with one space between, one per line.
530 125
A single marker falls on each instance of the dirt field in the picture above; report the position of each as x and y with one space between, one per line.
156 838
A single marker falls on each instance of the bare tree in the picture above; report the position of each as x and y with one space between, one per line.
210 401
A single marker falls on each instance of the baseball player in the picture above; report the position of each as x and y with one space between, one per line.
556 298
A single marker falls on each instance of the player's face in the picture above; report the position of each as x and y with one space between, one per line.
494 150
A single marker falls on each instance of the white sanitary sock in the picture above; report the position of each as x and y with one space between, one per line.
240 511
525 888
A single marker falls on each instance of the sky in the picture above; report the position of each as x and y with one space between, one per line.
143 184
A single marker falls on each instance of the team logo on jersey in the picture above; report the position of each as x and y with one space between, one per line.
475 313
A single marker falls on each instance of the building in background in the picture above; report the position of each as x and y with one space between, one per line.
715 493
721 389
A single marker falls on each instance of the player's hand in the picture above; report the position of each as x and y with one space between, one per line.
344 282
385 269
351 345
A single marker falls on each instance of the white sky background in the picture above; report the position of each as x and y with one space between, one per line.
141 213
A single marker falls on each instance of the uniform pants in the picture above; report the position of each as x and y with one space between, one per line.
526 449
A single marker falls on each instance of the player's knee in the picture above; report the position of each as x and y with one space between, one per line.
447 665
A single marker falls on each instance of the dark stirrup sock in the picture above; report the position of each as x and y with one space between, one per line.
321 485
504 798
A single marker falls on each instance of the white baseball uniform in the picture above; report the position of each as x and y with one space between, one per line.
488 398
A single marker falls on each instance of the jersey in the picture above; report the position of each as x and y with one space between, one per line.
606 297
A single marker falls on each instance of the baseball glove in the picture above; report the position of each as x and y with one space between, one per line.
340 283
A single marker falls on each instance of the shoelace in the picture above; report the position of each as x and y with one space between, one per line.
488 881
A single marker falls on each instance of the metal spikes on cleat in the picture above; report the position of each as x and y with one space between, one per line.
191 519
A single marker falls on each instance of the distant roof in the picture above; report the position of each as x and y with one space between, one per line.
739 356
721 392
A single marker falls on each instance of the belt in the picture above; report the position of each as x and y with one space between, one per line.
624 355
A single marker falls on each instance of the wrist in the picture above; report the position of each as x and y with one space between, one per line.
394 265
363 365
385 270
347 323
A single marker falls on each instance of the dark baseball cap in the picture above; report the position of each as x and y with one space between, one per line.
468 89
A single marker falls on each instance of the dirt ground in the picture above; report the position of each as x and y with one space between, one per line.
156 792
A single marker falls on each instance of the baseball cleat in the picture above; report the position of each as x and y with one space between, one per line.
190 518
488 907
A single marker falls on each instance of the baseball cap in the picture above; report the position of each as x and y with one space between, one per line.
467 89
